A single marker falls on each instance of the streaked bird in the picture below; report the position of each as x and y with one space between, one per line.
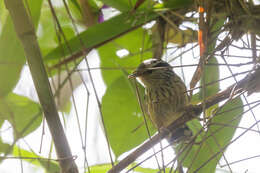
165 94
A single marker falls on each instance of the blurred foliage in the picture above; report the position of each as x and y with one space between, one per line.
49 165
24 114
12 54
125 31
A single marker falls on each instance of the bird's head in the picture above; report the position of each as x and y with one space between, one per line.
150 71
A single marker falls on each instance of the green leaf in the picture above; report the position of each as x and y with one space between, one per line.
35 10
122 5
3 13
103 168
126 5
12 56
48 38
1 122
174 4
121 92
196 98
3 147
47 33
24 114
195 127
75 8
100 34
49 165
211 74
11 62
150 170
122 114
217 137
137 43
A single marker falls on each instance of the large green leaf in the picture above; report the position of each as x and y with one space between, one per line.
24 114
12 56
122 115
49 165
127 5
136 43
121 92
100 34
216 138
211 74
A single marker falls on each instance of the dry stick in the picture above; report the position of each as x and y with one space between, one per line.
189 112
26 33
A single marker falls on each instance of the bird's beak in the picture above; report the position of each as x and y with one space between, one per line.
133 75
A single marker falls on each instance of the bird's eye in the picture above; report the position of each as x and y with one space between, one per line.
154 61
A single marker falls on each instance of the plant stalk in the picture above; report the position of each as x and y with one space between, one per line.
26 33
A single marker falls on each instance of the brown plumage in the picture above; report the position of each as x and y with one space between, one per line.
164 90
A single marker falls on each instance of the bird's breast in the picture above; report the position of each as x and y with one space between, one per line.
163 102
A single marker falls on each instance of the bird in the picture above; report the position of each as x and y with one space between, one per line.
165 95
